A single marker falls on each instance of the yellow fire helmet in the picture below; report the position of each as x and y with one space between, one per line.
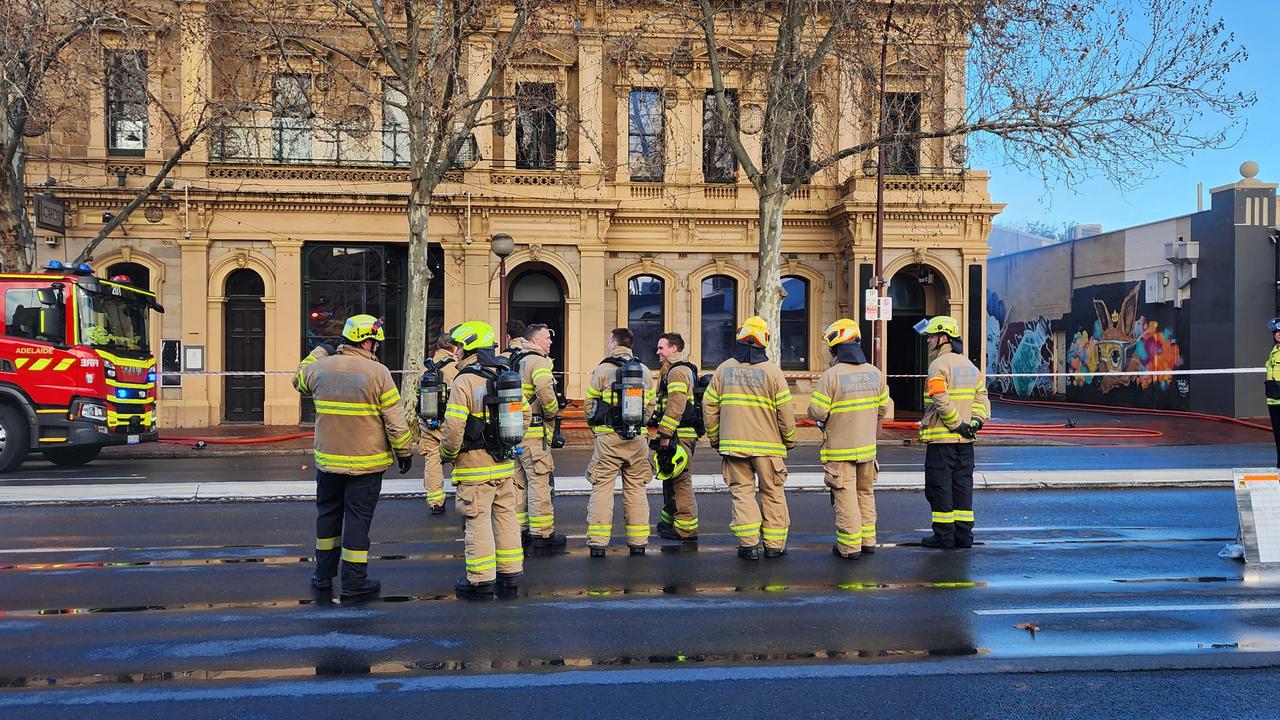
472 335
944 324
842 331
363 327
679 461
754 331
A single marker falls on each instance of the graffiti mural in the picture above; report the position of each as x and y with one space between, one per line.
1018 347
1113 333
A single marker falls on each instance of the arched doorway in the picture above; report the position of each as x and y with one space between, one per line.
536 295
917 291
139 275
244 325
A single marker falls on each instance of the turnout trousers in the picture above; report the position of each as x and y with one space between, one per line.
769 518
491 535
854 502
614 455
679 504
534 510
948 486
344 511
1275 428
432 470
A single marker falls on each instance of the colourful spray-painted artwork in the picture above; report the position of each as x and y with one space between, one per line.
1020 348
1121 338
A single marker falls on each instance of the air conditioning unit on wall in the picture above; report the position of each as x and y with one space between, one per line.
1160 288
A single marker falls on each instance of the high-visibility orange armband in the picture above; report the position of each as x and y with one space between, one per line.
937 385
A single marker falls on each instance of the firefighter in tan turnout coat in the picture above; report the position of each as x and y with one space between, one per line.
848 404
360 432
749 418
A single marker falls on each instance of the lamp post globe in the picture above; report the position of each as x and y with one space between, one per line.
502 245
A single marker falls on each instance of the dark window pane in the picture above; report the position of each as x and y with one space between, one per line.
21 313
718 161
645 139
902 115
291 117
535 126
139 276
245 282
126 100
719 319
644 316
794 333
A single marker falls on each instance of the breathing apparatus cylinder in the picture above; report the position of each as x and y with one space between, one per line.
630 398
433 395
510 410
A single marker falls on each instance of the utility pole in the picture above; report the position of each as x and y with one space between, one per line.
878 329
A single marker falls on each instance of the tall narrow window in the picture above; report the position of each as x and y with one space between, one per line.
719 319
126 102
395 125
719 165
902 115
795 161
645 142
535 126
794 332
645 295
291 118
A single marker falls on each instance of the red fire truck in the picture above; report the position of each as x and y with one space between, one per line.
76 369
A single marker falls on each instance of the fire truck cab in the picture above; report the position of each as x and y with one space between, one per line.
76 369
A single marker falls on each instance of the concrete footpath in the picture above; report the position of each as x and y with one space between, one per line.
183 492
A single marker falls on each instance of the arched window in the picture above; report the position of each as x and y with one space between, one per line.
645 295
794 333
139 276
719 319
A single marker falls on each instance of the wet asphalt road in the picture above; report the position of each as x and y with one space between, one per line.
159 611
573 461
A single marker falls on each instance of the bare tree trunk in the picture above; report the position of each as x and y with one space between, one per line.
415 317
15 228
769 291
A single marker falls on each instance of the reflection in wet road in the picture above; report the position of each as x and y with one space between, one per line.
211 601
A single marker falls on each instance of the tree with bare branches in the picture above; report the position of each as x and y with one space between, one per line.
1067 89
55 54
440 62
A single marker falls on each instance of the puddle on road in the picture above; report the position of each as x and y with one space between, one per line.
348 666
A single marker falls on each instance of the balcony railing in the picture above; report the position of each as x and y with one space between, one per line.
288 141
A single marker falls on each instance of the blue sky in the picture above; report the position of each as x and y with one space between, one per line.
1172 191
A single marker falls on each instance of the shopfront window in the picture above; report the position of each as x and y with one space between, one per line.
794 332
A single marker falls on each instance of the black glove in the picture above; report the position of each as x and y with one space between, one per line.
977 425
966 431
665 457
405 463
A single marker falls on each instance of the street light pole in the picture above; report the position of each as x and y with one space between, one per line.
878 327
502 245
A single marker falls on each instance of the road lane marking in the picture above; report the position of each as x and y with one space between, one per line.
1104 609
70 477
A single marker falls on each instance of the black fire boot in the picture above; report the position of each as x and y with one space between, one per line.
509 581
749 553
835 550
668 532
635 550
774 552
597 552
437 509
554 542
938 542
367 590
467 589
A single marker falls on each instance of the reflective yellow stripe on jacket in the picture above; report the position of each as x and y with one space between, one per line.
354 462
484 473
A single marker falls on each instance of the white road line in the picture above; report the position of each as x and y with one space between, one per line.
1103 609
79 480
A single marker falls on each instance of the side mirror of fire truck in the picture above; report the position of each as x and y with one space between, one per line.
52 315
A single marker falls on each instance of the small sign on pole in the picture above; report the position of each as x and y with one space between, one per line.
886 308
871 305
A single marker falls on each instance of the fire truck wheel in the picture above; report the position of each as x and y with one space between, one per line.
70 457
15 438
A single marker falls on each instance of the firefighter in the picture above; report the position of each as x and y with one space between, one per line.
1273 383
445 359
749 420
484 491
515 334
619 398
955 409
848 404
676 383
533 472
360 432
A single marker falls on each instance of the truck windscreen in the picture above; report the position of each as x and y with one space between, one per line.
117 322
